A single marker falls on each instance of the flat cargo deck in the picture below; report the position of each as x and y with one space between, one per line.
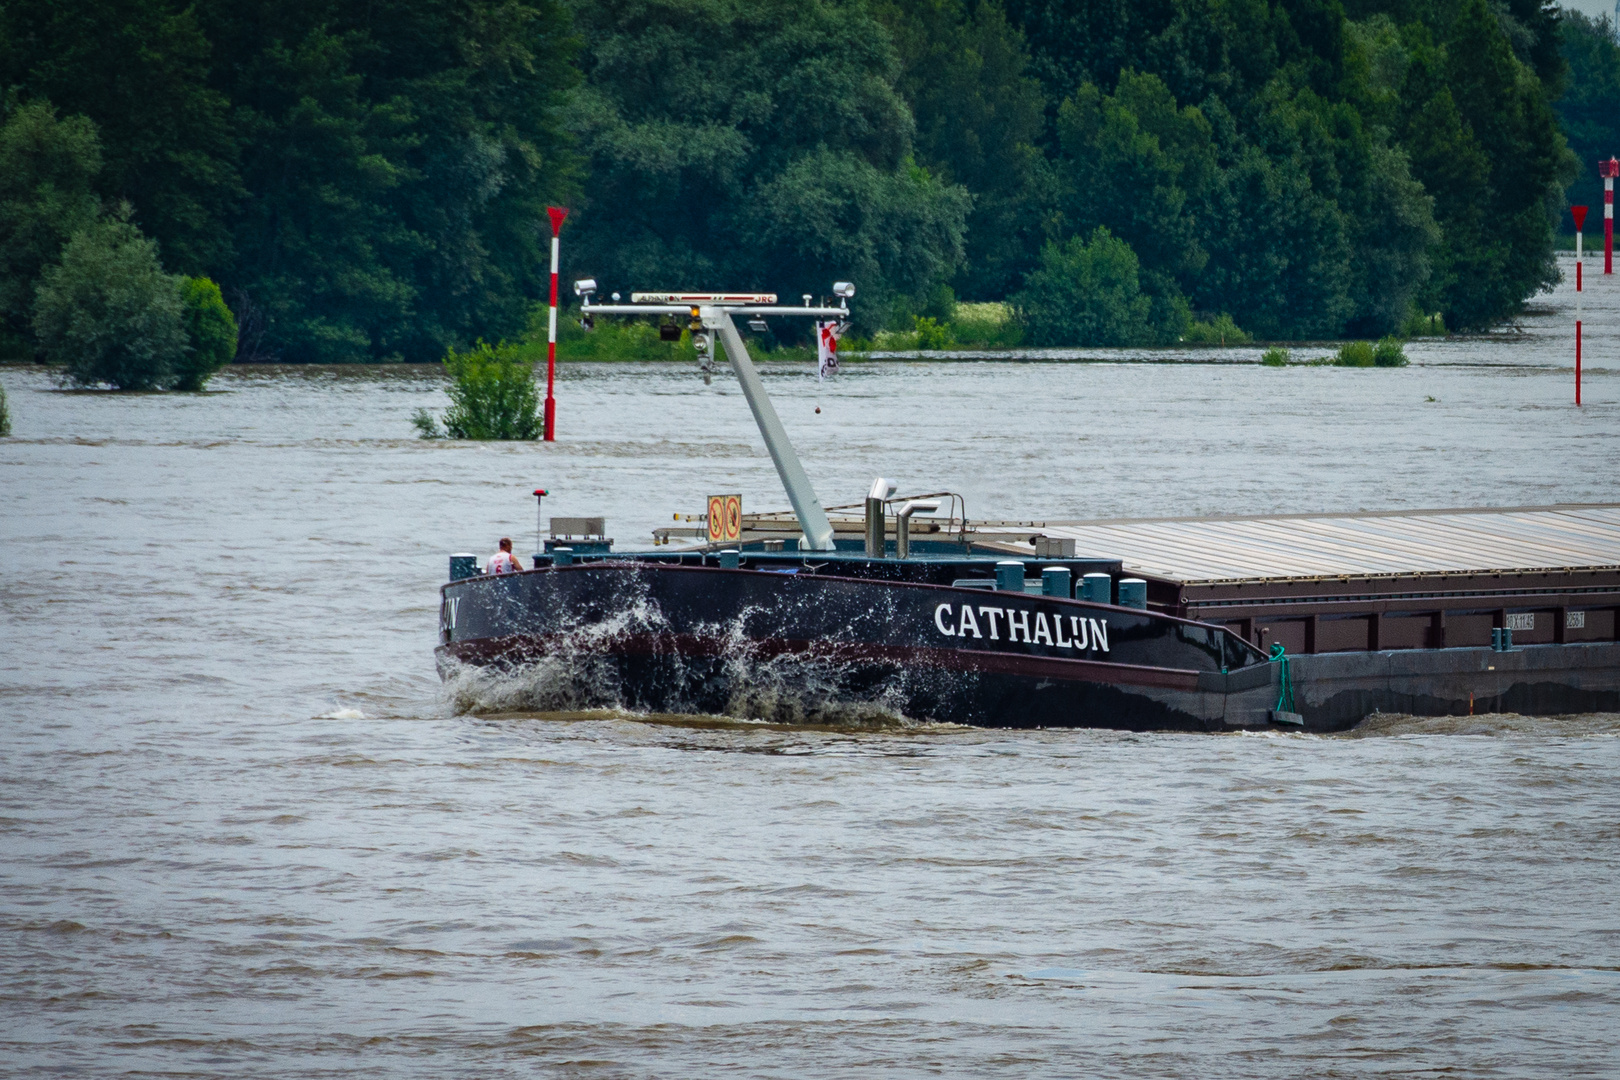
1401 543
1377 581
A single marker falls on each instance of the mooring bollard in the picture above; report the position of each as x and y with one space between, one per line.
1010 576
1133 593
730 559
1055 582
1097 588
463 566
562 556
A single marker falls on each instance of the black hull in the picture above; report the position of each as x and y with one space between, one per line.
819 649
810 648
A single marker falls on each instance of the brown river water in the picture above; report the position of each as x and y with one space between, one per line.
244 831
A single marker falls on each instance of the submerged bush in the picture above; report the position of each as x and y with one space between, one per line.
1222 331
109 314
1276 356
1355 354
5 414
1389 353
493 396
211 328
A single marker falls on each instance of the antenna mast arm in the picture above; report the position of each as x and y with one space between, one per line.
818 531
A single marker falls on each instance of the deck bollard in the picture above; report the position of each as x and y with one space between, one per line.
463 566
1055 582
1097 588
1010 576
562 556
730 559
1133 593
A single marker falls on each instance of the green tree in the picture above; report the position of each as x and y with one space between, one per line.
1086 293
211 331
1484 142
1587 109
109 314
140 70
1279 251
48 169
399 157
751 163
1135 163
979 117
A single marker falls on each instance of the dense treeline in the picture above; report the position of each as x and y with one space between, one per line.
369 181
1590 106
363 179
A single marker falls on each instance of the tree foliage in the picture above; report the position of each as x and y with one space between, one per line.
1086 292
48 170
780 161
1588 108
979 119
368 178
109 314
368 181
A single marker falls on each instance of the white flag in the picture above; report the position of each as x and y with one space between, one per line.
827 335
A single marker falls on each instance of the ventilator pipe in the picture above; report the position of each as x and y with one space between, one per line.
902 525
876 498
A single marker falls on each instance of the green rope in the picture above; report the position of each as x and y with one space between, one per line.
1285 700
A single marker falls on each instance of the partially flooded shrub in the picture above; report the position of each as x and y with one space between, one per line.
1389 353
1276 356
1355 354
109 314
5 414
493 396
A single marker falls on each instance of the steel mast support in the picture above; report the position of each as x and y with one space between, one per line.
818 531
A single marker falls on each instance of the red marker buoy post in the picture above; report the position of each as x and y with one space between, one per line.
1579 213
1608 170
557 214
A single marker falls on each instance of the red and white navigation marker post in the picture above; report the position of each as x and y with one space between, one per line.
1579 213
557 213
1608 170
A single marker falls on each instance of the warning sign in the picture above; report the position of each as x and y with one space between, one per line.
725 518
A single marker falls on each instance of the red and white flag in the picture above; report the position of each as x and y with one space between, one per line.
827 335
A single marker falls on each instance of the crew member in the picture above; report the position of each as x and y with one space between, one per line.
503 561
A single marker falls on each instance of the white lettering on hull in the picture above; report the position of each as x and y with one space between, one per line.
1085 633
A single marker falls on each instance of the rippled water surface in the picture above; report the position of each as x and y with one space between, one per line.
243 831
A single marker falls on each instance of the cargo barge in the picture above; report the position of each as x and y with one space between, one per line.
905 607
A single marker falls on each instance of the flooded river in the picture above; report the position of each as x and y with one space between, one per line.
243 832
